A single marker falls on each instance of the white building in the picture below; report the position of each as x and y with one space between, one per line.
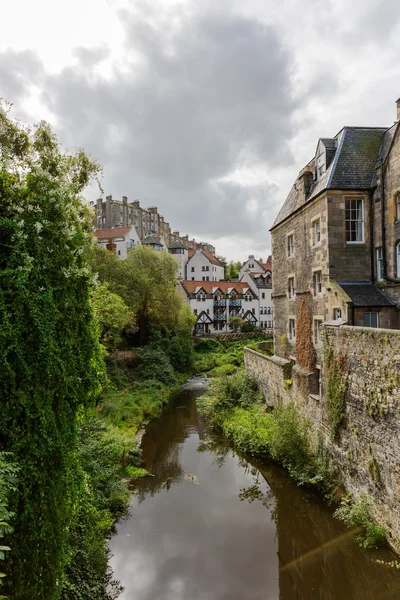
255 266
261 285
214 303
118 239
181 256
204 266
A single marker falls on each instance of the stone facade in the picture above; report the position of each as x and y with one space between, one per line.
111 213
365 448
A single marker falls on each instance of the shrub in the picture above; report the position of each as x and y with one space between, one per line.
358 514
180 353
224 369
155 364
206 345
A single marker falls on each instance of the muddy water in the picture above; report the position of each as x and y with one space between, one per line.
211 526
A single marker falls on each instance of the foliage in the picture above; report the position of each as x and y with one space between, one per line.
247 327
336 390
358 514
8 482
146 281
50 354
112 315
225 369
235 323
234 405
102 451
232 269
155 364
206 345
305 351
180 353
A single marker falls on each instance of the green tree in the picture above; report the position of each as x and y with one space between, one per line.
49 349
235 323
146 281
112 315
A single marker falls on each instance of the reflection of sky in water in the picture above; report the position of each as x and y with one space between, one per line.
201 542
198 541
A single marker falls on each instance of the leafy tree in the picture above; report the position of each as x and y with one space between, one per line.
223 260
232 270
235 323
146 281
112 315
247 327
8 479
49 349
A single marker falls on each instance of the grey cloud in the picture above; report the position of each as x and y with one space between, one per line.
207 96
18 71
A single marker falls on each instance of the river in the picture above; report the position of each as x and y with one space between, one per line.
210 525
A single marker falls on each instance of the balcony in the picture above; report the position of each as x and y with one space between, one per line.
235 303
220 303
220 317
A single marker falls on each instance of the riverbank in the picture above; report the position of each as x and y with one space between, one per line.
235 407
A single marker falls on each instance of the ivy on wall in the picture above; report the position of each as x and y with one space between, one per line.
336 371
305 352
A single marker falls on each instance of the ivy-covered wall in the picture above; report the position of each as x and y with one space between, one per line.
357 412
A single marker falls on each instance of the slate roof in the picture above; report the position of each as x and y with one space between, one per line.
209 287
152 239
352 167
365 294
177 245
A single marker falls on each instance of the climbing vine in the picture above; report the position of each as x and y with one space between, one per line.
49 348
305 351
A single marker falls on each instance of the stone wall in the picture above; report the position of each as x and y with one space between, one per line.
365 444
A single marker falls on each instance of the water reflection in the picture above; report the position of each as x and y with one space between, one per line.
240 531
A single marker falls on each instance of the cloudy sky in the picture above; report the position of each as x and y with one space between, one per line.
206 108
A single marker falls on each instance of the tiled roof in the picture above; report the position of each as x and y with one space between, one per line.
365 294
104 234
210 287
352 167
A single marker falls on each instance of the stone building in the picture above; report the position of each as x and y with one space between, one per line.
111 213
331 264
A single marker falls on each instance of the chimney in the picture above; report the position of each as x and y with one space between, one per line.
124 199
398 109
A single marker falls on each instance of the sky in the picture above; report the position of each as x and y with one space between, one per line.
207 109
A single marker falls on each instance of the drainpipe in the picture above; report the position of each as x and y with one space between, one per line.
371 233
383 223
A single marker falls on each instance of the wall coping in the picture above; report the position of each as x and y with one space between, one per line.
367 330
277 360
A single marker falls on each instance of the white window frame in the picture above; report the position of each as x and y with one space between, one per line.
336 316
379 263
291 293
351 220
317 285
292 329
317 331
371 313
316 232
397 254
290 246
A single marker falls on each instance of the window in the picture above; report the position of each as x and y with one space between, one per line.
379 264
354 220
398 259
208 311
203 278
337 314
119 252
398 207
192 271
263 295
207 268
207 279
290 245
316 232
292 329
371 319
317 331
253 310
195 311
317 282
291 287
192 278
203 268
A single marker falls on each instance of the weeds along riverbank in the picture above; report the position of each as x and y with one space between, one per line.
234 405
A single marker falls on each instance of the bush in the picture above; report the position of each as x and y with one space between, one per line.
247 327
206 345
180 353
222 370
155 364
358 514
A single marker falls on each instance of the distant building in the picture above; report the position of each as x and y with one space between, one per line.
155 241
118 239
181 254
204 266
214 303
253 265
